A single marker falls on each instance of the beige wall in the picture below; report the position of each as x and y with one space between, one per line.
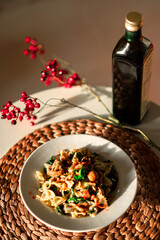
83 32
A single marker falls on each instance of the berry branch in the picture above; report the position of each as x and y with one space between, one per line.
61 72
13 113
33 48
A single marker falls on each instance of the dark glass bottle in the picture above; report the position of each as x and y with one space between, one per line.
131 63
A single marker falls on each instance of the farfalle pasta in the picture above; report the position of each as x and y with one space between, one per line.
77 183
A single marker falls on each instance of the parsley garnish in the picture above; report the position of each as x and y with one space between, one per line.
81 174
60 209
76 199
51 161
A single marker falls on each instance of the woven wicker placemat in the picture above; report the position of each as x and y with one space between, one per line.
142 219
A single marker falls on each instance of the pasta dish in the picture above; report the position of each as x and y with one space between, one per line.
77 183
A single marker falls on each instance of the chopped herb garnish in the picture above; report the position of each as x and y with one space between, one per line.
92 211
60 209
81 174
66 192
76 199
79 155
45 170
51 161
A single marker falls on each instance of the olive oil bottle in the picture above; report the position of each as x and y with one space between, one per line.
132 67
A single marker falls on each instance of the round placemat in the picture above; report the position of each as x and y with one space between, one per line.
140 221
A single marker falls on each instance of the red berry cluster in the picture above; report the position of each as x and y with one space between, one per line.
54 72
33 48
11 112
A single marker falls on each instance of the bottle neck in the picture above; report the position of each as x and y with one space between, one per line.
133 36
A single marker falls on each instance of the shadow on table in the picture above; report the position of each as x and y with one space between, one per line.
101 90
151 123
77 100
61 107
153 113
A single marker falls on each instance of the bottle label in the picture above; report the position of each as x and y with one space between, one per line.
146 82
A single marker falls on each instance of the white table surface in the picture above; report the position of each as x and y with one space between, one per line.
11 134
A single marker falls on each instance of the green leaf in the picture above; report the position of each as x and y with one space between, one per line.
66 192
76 199
51 161
81 174
77 177
60 209
92 211
45 170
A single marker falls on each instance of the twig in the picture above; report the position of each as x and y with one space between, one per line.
46 104
84 83
87 110
95 95
145 137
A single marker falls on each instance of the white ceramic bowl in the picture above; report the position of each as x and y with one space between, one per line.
123 195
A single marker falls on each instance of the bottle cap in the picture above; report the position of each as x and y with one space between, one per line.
133 21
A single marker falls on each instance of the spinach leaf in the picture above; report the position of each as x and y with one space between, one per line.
45 170
81 174
60 209
76 199
79 155
51 161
